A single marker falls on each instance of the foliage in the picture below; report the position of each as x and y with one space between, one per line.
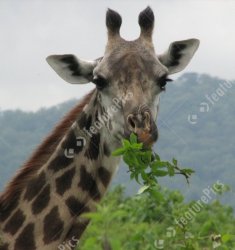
158 218
146 165
143 222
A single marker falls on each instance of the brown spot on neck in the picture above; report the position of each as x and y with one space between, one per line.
4 247
26 238
15 222
52 226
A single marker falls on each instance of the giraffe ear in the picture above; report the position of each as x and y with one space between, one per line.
179 54
72 69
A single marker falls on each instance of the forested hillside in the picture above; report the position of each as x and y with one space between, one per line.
196 126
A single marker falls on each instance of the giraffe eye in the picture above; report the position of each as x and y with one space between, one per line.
162 82
100 82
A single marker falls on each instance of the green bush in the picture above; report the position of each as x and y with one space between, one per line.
142 221
157 218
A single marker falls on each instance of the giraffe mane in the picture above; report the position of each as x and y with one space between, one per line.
41 154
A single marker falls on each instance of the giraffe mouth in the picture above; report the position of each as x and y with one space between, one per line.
148 138
141 123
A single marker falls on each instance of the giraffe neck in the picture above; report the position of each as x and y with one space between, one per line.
68 184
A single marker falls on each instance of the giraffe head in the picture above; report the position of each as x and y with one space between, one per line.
130 75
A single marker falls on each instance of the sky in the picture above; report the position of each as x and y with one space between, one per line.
33 29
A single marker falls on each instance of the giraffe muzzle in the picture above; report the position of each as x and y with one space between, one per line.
142 124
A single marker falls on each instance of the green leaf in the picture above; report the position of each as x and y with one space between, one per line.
137 146
132 175
174 161
126 143
144 175
118 214
143 189
171 170
119 151
90 243
116 244
188 171
130 159
133 138
157 157
93 216
160 173
227 237
145 157
137 178
157 164
156 194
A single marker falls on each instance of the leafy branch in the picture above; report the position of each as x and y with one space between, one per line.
146 166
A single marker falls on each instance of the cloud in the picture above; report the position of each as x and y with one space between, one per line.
32 30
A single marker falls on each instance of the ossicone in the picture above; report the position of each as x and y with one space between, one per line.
113 22
146 22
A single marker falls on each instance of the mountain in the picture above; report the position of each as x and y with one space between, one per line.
196 126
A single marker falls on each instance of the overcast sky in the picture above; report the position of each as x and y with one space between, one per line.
32 30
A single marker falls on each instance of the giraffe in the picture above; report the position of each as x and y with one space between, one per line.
68 174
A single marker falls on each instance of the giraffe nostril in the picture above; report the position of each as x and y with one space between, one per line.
131 122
